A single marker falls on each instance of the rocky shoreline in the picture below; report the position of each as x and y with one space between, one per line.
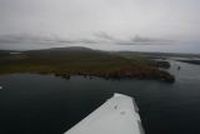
127 73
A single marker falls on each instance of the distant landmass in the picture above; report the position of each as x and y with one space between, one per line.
68 61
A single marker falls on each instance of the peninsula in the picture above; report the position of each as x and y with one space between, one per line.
69 61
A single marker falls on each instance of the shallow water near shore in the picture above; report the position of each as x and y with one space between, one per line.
39 104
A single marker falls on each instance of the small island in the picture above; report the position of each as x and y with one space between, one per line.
66 62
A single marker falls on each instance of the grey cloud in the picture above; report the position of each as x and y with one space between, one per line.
176 19
104 36
99 38
140 39
51 23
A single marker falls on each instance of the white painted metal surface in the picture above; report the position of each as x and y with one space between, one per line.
118 115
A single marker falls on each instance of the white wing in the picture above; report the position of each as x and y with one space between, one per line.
118 115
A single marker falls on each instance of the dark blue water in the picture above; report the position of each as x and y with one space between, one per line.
36 104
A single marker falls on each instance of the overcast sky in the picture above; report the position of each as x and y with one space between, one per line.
176 20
